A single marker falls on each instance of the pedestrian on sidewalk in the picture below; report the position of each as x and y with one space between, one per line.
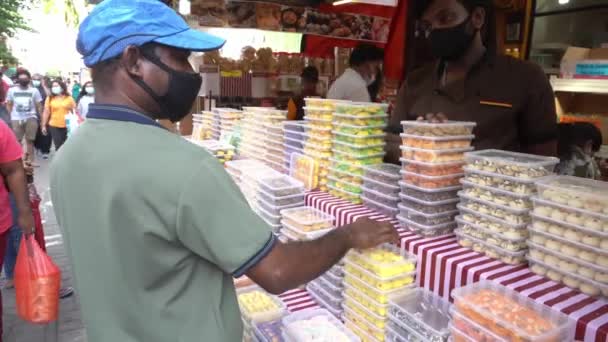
154 246
14 177
59 104
86 97
42 143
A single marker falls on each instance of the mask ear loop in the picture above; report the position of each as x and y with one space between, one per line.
158 99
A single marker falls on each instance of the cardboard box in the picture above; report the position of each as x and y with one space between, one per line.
580 62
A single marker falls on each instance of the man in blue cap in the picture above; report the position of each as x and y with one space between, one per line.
156 230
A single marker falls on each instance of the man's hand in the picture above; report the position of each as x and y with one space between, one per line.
433 118
26 222
365 233
44 130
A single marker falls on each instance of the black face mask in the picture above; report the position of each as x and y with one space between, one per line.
181 94
451 43
23 83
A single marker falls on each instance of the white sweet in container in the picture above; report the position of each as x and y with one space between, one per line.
574 217
426 230
315 324
508 240
492 251
569 278
424 218
512 164
497 196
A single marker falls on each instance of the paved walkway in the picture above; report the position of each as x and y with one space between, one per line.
70 327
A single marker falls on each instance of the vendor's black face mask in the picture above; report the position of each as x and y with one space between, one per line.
451 43
181 94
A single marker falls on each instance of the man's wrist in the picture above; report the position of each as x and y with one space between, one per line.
346 236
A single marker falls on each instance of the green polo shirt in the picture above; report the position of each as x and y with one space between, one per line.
155 229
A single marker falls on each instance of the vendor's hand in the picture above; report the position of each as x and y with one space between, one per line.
433 117
365 233
28 167
44 130
26 222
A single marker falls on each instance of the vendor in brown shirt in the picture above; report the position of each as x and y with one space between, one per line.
510 100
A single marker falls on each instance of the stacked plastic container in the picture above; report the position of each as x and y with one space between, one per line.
569 233
258 307
305 169
488 311
275 146
229 118
380 189
328 290
358 140
419 315
305 223
432 155
254 131
496 202
294 138
201 128
315 325
214 116
237 168
224 152
251 183
276 193
371 277
317 145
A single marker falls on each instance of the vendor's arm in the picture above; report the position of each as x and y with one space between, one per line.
538 119
215 222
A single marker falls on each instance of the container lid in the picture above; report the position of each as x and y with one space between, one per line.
277 311
358 127
426 309
512 158
370 326
387 197
577 227
282 183
406 259
308 118
431 178
438 151
310 172
312 145
381 184
427 124
581 187
537 201
418 162
300 133
243 164
464 181
371 289
374 105
464 209
330 177
307 235
312 292
307 216
311 313
457 315
359 157
577 244
334 170
511 210
414 187
432 204
266 214
462 222
366 337
362 137
346 192
438 138
390 171
564 256
495 248
317 129
369 201
320 288
358 117
422 227
320 109
358 147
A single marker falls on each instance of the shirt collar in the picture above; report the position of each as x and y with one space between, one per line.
120 113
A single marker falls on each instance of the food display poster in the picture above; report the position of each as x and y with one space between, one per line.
275 17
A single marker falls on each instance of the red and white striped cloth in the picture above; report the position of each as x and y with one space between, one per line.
297 300
444 265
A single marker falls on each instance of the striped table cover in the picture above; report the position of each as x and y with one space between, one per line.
297 300
444 265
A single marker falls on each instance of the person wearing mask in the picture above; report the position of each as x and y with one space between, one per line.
24 102
310 80
364 61
57 106
173 240
76 91
42 143
577 144
510 100
87 96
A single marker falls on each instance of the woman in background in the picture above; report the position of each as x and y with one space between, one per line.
577 144
59 104
86 97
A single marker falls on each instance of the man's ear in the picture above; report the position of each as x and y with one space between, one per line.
478 17
132 62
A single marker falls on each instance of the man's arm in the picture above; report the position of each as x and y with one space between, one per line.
15 177
289 265
46 115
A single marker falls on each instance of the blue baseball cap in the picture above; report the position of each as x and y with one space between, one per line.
115 24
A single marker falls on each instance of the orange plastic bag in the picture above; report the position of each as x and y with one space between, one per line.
37 282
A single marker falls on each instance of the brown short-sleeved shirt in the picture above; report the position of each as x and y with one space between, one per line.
510 100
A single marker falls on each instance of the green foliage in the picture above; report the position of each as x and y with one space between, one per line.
69 9
11 18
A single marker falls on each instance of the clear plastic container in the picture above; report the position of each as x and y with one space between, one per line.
569 263
390 211
379 283
590 231
307 218
568 214
491 305
429 195
257 306
386 262
352 129
464 329
572 279
310 144
360 309
431 182
513 215
362 151
359 140
273 209
337 271
436 143
512 164
437 207
496 232
480 246
424 312
281 201
424 218
497 197
318 102
346 176
495 239
575 192
442 129
280 186
344 185
269 217
361 333
304 169
333 302
510 222
343 194
347 167
383 173
387 199
391 190
294 126
426 230
432 169
361 108
396 332
434 156
359 120
294 136
356 290
336 312
331 283
318 113
505 183
268 332
295 331
569 246
358 159
363 324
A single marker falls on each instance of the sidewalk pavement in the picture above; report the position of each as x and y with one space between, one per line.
70 327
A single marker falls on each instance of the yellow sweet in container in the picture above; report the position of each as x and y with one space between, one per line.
378 323
363 325
382 285
258 306
382 262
